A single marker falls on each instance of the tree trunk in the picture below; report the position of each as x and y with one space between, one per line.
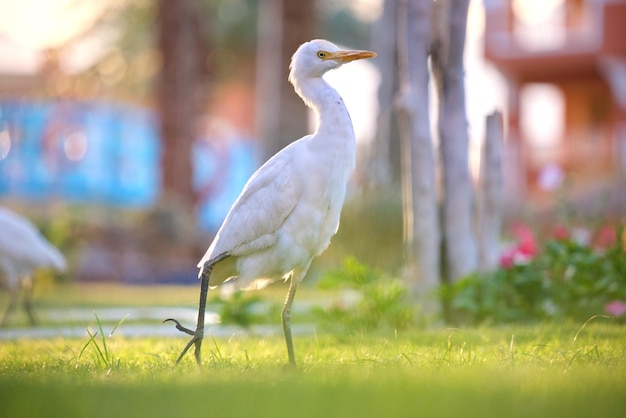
182 42
268 76
421 225
378 168
460 254
491 194
285 25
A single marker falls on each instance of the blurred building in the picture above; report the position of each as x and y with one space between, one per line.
56 144
565 62
59 141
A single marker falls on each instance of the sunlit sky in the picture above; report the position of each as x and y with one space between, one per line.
46 23
30 26
49 23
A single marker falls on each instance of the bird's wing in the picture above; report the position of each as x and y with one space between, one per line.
16 234
21 241
262 207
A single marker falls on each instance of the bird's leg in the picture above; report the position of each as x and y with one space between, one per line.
9 310
286 318
13 282
198 335
28 300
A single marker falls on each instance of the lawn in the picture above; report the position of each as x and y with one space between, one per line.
547 370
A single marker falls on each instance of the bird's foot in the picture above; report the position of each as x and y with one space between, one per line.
196 339
180 327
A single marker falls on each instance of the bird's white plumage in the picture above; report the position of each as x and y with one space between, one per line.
23 249
290 208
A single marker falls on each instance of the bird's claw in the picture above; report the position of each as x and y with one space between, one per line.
180 327
196 339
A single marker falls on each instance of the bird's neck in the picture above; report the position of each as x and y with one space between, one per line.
332 115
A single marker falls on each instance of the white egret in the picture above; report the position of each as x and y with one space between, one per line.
22 251
289 209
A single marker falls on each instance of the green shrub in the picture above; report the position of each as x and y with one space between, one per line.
238 308
565 280
371 300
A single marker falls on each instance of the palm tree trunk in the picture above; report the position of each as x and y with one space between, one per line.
180 93
421 225
491 194
460 253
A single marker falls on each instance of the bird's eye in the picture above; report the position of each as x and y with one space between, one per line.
321 54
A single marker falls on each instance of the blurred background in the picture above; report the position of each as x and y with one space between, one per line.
128 128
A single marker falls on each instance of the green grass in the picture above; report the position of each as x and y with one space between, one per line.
549 370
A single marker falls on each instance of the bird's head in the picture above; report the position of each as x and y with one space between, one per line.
314 58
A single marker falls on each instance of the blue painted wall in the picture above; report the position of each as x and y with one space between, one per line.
109 153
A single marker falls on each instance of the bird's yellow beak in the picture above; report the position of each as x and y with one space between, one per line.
347 56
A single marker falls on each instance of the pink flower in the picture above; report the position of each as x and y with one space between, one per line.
605 238
523 251
514 257
561 233
527 245
507 259
615 308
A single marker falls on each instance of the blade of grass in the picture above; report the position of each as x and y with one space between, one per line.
105 357
588 321
90 341
120 322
